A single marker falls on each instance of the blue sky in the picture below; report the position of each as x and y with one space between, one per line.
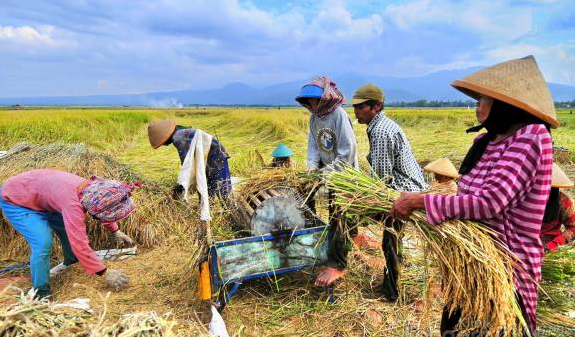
84 47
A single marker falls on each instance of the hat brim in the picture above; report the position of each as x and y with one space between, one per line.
475 91
167 132
355 101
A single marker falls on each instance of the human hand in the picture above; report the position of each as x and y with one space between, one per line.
404 206
116 279
122 239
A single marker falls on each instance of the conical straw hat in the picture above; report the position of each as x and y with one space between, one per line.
442 166
517 82
559 179
160 131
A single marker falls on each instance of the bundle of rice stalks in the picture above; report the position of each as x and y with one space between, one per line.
141 324
279 177
29 317
157 215
477 273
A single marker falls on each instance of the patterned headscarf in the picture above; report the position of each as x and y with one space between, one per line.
331 98
108 200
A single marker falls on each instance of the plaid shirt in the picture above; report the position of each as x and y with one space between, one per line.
390 156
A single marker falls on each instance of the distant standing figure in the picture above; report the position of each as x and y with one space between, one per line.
281 156
444 176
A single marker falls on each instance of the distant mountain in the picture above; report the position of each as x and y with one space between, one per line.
434 86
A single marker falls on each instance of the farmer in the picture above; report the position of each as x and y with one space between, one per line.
391 158
444 176
281 156
561 212
39 202
506 175
331 146
166 132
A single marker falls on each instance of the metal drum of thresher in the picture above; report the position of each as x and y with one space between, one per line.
271 210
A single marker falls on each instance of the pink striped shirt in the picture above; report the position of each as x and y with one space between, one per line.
57 191
507 189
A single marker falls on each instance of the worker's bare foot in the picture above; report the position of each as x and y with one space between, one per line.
366 241
329 275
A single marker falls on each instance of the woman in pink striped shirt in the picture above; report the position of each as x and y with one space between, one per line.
506 174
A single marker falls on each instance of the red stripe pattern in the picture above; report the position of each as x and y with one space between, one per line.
507 189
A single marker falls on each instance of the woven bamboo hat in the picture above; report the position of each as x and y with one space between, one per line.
559 179
517 82
442 166
160 131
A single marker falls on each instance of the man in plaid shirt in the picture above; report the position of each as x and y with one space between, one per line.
391 158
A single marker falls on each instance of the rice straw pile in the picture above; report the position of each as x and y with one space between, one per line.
279 177
30 317
477 273
157 216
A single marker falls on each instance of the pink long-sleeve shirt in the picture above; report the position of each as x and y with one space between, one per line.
56 191
508 189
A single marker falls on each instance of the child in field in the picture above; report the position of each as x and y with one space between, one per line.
281 156
444 176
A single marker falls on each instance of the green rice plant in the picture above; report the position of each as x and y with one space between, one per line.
101 128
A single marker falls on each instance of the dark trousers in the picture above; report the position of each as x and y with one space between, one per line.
448 322
341 230
392 251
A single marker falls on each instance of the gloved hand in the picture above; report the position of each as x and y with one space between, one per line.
178 192
559 240
122 239
551 246
116 279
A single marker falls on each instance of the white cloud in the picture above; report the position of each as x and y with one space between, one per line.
493 20
28 35
508 52
556 61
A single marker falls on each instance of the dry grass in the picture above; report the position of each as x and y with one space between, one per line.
24 316
161 277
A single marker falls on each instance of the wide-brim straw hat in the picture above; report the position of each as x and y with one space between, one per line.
442 166
516 82
160 131
559 179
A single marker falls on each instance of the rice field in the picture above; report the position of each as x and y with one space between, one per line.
288 306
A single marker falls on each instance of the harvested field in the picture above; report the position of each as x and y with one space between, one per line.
162 276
